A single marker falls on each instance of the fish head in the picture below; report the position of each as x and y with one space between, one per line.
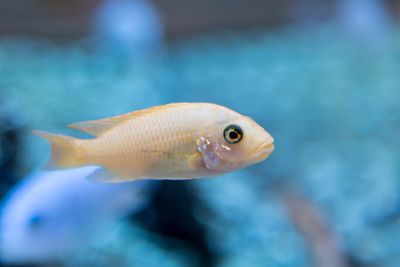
236 142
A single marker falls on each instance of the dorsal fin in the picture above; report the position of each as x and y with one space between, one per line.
99 127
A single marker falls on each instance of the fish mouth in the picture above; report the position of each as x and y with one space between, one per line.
264 150
268 147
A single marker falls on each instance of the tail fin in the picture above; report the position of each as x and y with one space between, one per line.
65 153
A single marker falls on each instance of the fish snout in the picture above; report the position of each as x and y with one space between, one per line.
268 147
263 151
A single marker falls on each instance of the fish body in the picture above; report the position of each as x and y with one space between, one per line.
182 140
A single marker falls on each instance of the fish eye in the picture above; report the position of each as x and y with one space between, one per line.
233 134
36 222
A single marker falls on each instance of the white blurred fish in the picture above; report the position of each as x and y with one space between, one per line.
51 215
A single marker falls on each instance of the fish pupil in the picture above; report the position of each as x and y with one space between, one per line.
36 222
233 135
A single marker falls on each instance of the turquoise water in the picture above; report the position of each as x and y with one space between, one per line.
330 101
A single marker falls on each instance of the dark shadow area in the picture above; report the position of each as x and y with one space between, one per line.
170 215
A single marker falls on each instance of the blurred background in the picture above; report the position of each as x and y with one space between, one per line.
322 76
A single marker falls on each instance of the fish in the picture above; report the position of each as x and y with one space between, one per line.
172 141
53 215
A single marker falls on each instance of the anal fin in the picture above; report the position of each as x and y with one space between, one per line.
103 175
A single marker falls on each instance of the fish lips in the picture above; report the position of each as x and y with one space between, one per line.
264 151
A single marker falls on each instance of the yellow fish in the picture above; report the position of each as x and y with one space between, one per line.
174 141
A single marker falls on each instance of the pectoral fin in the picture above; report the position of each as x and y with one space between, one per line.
210 158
